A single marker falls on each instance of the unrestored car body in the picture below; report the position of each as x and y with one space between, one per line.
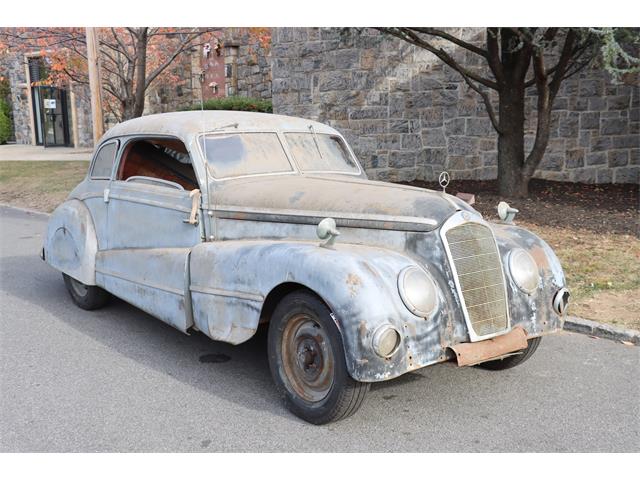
208 220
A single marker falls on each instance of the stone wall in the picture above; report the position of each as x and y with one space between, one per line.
408 116
253 63
84 120
15 68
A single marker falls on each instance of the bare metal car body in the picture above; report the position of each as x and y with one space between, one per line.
222 266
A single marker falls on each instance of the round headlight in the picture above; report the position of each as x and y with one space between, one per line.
524 270
386 341
418 291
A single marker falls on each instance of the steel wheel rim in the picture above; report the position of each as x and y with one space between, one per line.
80 289
307 358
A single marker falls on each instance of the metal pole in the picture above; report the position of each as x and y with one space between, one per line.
93 60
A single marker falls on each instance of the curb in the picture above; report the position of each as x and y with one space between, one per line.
589 327
24 210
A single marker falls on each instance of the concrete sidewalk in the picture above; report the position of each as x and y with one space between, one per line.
32 152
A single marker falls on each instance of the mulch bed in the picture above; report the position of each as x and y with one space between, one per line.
596 208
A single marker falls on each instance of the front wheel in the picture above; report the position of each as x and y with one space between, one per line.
513 360
87 297
307 361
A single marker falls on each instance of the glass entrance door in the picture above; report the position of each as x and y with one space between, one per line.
53 123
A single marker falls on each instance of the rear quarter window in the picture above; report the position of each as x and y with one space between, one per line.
103 163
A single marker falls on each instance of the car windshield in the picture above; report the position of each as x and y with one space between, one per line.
320 153
240 154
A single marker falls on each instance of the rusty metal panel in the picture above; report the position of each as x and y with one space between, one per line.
491 349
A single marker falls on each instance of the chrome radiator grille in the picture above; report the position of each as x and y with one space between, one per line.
477 263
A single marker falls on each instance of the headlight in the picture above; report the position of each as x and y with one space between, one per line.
418 291
386 341
524 270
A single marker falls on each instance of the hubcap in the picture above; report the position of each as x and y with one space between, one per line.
307 358
80 289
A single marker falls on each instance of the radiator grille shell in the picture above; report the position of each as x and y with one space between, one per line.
476 264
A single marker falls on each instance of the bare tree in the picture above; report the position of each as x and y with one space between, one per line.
516 59
131 58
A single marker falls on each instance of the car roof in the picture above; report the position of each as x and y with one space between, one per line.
187 125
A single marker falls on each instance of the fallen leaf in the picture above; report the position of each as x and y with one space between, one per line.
624 342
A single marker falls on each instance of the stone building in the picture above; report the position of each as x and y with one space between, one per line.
45 115
409 117
235 64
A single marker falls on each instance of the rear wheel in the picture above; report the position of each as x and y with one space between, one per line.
87 297
513 360
307 361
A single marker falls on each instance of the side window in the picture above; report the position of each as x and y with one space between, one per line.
104 160
164 159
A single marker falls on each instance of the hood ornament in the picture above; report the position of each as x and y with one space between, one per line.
444 180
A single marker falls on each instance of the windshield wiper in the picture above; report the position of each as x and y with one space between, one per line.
315 140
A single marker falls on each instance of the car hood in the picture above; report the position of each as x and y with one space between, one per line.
350 201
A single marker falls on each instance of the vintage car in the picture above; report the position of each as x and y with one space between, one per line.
221 221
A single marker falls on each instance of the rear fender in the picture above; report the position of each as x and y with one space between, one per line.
70 243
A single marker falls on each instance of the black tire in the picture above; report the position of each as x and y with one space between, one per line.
513 360
87 297
307 361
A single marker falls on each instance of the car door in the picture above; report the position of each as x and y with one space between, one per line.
152 224
99 177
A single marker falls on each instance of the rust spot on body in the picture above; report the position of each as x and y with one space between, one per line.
353 281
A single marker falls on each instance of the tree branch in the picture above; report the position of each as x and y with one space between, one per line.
493 57
544 116
446 36
487 104
181 48
408 36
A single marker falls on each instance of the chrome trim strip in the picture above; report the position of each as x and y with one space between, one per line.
152 203
455 220
174 291
343 219
253 297
89 195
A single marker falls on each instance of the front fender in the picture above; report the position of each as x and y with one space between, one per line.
231 279
533 312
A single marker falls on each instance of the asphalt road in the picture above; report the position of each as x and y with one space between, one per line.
119 380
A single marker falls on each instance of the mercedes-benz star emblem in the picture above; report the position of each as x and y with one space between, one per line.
443 180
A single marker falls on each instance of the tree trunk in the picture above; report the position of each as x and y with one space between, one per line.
511 182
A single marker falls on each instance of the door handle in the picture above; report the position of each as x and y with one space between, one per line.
105 195
195 204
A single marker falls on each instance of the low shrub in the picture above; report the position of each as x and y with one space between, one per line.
245 104
5 122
